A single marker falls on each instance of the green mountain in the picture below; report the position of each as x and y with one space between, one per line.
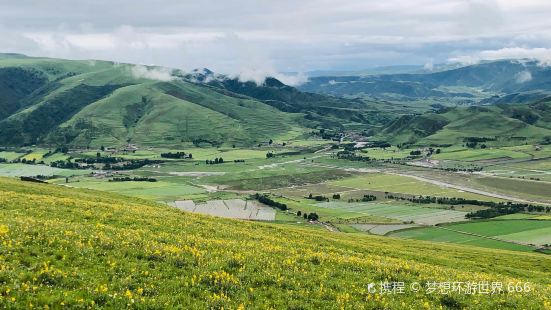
82 103
487 82
500 124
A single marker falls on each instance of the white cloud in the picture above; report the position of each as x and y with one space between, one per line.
542 55
524 76
151 73
285 35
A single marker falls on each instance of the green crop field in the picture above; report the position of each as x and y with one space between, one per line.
404 213
12 170
480 154
158 191
78 248
524 231
7 155
539 190
405 185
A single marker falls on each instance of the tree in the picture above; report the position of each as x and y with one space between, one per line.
220 160
102 148
270 142
299 213
313 216
336 196
98 154
269 155
305 215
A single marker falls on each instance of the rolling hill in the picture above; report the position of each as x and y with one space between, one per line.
503 124
75 248
91 103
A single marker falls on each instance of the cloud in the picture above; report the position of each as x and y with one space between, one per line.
524 76
542 55
429 66
255 38
151 73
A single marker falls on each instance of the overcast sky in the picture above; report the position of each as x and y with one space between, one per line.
258 37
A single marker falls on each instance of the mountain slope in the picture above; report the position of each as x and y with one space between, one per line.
83 103
74 248
503 124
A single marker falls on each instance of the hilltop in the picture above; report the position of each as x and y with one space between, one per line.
78 248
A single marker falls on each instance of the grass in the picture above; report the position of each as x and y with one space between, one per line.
480 154
78 248
514 230
439 235
9 156
404 185
539 190
399 212
15 170
158 191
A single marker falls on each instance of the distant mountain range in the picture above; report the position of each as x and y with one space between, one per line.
484 83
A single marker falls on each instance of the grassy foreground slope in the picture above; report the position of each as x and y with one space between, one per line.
69 247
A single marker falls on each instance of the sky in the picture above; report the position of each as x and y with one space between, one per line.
254 38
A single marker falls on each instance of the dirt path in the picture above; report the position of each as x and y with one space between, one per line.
468 189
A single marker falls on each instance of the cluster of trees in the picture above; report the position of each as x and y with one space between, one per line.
3 160
367 198
318 197
238 160
100 160
350 155
270 202
270 155
132 164
176 155
336 196
66 164
215 161
415 153
134 179
308 216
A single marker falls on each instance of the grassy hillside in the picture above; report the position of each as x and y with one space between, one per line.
89 103
75 248
500 125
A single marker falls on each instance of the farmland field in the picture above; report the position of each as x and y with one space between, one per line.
405 213
541 190
523 231
480 154
234 208
12 170
405 185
